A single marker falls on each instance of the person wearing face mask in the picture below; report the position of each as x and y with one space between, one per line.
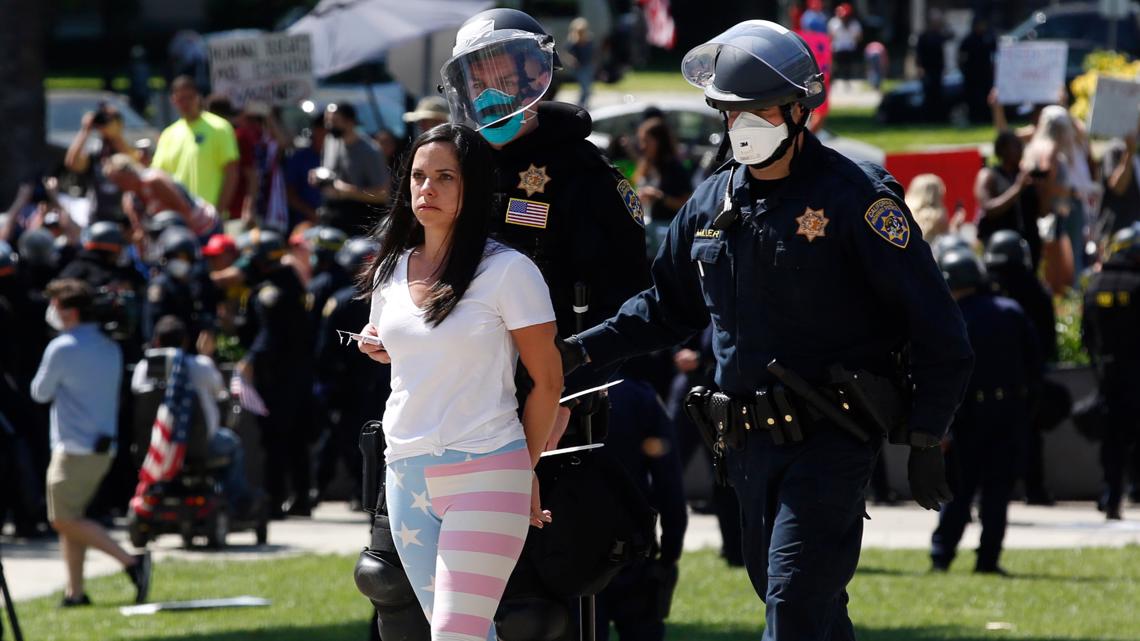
275 333
819 286
182 289
353 176
561 202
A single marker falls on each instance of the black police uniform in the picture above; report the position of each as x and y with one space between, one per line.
641 438
321 288
1109 326
825 266
575 216
277 339
989 431
351 388
194 301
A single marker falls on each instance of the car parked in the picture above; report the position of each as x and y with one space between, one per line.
1084 27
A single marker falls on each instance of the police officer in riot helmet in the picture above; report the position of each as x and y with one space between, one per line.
570 211
843 296
327 275
1009 266
182 289
277 362
1111 315
351 388
987 438
105 264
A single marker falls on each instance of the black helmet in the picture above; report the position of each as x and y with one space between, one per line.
754 65
104 236
1125 245
946 243
324 241
356 253
163 220
178 241
962 269
1007 248
503 19
261 244
37 247
8 260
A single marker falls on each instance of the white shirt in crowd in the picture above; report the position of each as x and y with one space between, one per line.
205 379
453 384
844 37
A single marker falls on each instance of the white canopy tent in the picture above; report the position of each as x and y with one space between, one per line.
415 36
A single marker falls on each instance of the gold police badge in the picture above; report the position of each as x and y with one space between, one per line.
533 180
812 224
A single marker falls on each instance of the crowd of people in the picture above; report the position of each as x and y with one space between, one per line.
240 248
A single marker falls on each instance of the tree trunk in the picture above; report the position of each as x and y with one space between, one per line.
22 147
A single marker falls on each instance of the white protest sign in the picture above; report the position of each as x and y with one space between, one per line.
1031 72
1115 107
272 68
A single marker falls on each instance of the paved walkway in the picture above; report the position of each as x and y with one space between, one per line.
35 569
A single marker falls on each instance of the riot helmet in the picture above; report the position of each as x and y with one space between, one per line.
1007 249
1125 245
104 236
947 243
962 270
502 64
37 247
356 253
261 245
755 65
324 242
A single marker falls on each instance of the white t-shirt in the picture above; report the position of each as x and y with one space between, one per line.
844 37
453 384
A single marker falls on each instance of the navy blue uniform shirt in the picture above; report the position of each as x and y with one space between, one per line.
828 267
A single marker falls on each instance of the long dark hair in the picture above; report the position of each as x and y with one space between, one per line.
658 130
400 230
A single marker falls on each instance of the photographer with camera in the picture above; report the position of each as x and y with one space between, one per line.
353 177
80 375
107 122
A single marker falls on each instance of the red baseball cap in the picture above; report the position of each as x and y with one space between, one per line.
218 245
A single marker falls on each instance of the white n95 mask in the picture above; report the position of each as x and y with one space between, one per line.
754 139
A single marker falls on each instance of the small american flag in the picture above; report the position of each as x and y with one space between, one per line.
661 29
247 396
527 212
168 435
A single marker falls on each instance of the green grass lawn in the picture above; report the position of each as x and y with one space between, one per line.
1057 594
859 123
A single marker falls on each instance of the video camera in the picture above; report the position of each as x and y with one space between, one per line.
117 310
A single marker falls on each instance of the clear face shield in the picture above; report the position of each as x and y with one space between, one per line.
494 78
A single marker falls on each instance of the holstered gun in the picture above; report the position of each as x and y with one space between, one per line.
696 402
881 400
372 448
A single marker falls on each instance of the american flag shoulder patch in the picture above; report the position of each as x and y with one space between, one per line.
529 213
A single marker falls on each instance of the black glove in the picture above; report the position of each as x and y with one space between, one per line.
573 354
926 471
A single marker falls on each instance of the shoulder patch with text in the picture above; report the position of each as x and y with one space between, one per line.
632 202
887 219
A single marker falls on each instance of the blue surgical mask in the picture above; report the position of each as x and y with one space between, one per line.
489 105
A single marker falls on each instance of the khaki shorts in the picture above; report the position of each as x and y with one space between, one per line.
72 480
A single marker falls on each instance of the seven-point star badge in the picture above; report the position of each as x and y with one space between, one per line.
812 224
533 180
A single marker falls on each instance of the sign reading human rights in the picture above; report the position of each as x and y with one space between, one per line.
272 68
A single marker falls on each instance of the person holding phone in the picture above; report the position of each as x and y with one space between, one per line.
455 311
